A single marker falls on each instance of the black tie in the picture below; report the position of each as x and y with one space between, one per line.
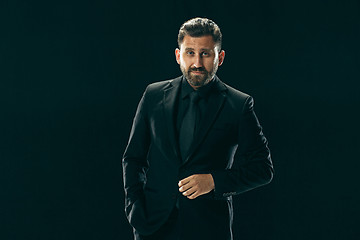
188 126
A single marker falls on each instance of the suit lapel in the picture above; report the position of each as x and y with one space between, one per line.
214 107
169 102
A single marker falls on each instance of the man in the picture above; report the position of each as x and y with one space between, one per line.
195 142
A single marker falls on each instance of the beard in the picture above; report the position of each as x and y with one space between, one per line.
198 80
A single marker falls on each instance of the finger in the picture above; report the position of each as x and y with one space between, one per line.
184 181
189 192
185 187
194 195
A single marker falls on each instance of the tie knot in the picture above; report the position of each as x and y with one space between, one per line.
194 97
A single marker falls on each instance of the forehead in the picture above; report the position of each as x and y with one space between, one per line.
203 42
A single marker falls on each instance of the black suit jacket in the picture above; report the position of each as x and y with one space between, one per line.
229 144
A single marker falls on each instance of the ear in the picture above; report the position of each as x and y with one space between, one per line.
221 57
177 55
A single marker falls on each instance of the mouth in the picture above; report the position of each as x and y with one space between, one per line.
198 72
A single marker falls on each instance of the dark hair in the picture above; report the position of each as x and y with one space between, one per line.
198 27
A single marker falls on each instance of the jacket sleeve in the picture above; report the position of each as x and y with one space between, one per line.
135 165
252 166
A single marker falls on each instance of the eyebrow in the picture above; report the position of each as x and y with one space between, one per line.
202 49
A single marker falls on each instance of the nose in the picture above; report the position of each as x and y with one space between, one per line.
198 62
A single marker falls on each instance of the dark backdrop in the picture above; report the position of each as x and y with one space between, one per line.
72 73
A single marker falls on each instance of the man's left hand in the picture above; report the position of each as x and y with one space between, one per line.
196 185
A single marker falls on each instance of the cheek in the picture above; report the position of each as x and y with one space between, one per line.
211 64
183 63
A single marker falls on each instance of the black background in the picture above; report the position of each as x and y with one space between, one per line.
72 73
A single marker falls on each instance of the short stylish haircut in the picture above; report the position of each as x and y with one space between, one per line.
198 27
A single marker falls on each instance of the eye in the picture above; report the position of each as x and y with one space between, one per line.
190 53
205 54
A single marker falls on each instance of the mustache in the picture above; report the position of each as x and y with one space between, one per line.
200 69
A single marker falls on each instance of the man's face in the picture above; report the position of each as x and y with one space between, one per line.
199 59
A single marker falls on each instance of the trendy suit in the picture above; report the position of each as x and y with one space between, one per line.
229 144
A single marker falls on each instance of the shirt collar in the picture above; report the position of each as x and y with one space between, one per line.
204 91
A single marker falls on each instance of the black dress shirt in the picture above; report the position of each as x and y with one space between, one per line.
183 102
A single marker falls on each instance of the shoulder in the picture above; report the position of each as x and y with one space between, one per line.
154 92
162 85
237 99
235 95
